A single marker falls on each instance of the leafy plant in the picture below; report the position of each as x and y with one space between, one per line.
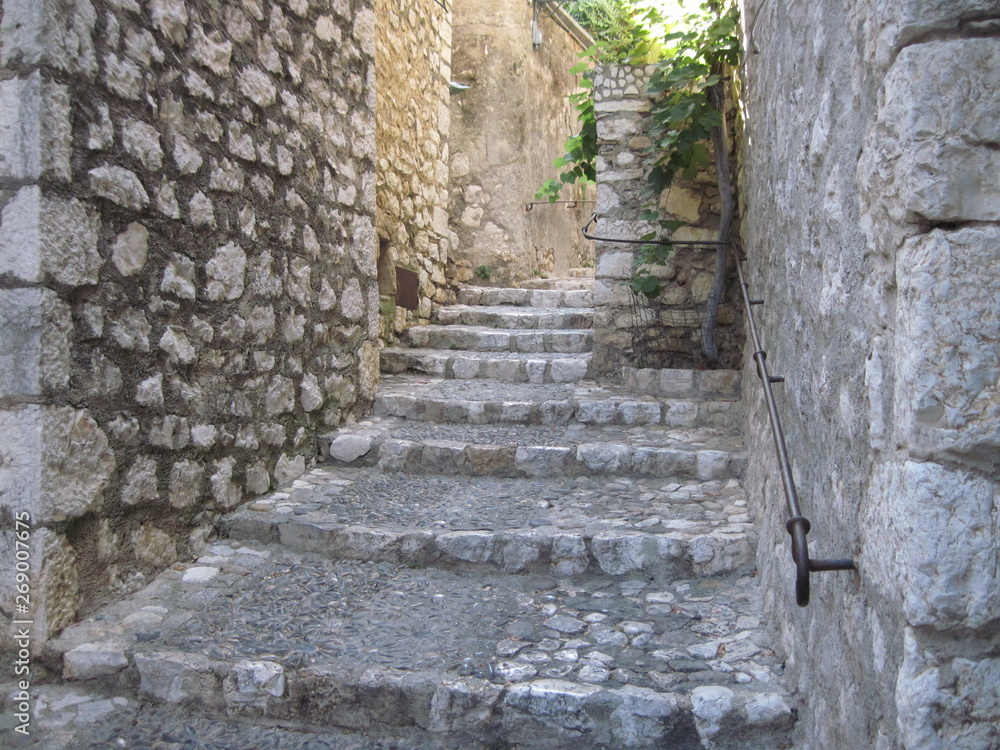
623 36
483 272
578 163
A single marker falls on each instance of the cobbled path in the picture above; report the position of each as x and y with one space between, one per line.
487 562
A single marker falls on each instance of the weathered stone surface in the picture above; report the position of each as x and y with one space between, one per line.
226 271
557 702
224 491
119 186
129 250
140 482
35 329
253 682
350 447
470 546
174 677
929 157
926 529
947 394
618 554
91 660
58 462
154 546
145 311
185 482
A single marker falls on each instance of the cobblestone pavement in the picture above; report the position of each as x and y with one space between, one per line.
417 606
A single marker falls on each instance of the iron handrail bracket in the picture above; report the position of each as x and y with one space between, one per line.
797 525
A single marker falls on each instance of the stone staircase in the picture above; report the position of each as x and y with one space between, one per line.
505 555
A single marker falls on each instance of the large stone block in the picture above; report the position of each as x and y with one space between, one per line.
49 31
56 462
54 597
945 703
930 156
929 545
35 328
947 400
888 25
54 237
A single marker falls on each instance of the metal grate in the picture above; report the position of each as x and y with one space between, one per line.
665 336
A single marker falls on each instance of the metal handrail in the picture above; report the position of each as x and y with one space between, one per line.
572 203
798 525
593 219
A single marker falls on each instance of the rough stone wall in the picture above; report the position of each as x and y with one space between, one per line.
507 128
871 201
187 271
623 122
413 68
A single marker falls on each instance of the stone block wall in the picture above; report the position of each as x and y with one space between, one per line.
506 129
624 146
413 70
871 200
187 271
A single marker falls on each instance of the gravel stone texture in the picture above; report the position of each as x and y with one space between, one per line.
414 606
403 501
300 610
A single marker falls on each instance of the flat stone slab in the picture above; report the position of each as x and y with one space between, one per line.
542 367
542 450
512 317
436 399
493 339
555 527
83 717
366 645
543 298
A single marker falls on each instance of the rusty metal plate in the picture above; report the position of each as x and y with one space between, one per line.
407 288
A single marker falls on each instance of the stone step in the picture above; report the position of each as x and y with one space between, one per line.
678 383
567 283
445 400
521 318
473 295
538 450
482 339
503 366
561 527
586 272
82 717
272 636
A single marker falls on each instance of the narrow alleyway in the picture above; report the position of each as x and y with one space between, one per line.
506 554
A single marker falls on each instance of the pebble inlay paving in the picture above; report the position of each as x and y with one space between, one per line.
361 496
299 611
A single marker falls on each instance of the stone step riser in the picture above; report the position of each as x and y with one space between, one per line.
477 340
526 297
586 459
679 414
527 320
580 282
661 557
549 713
521 369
